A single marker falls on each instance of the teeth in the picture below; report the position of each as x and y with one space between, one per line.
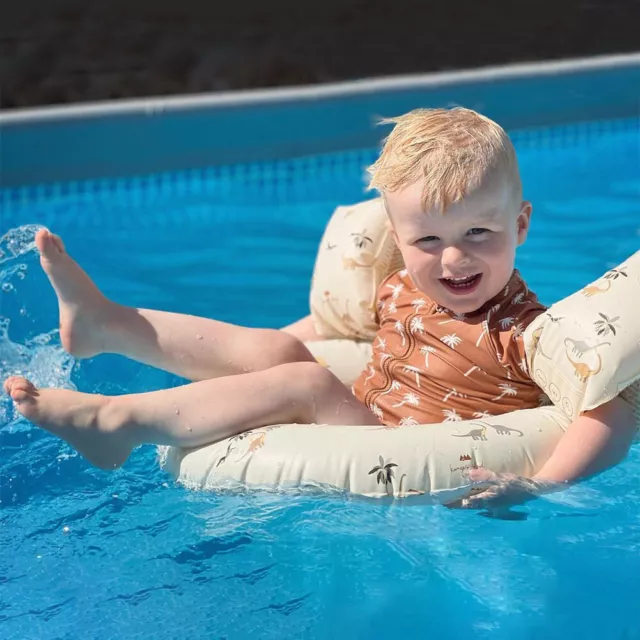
460 279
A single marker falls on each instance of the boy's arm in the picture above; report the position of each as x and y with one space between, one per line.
597 440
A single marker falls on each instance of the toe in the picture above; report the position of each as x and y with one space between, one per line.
8 384
20 388
49 244
13 382
57 242
42 238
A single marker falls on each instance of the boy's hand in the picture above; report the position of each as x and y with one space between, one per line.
595 441
506 490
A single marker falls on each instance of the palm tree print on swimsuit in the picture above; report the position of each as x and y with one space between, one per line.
425 351
485 323
410 369
506 390
451 415
408 398
451 340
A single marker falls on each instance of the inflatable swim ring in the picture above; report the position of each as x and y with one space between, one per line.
583 351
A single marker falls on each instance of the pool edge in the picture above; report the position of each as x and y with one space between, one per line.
171 133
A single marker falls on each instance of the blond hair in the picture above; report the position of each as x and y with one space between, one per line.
451 150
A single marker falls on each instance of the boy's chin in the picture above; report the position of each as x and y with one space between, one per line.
462 305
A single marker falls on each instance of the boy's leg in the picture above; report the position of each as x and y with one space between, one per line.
106 429
188 346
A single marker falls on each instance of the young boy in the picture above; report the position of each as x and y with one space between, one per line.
449 344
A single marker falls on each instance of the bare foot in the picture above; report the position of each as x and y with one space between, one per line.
83 309
81 419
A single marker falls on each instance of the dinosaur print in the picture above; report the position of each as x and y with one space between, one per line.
506 431
501 430
402 491
244 445
475 434
594 289
536 347
584 358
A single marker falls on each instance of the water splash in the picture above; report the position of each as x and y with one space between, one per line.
41 358
18 242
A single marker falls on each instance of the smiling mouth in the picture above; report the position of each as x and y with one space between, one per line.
465 284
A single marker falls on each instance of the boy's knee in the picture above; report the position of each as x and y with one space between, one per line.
306 378
316 380
283 348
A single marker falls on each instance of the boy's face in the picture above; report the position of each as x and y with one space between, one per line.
464 257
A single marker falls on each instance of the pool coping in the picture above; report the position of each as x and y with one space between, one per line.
85 141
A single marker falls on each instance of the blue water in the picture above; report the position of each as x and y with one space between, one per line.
87 554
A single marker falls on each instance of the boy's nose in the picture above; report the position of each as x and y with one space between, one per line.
454 259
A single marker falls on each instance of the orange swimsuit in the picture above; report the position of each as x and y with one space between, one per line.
430 365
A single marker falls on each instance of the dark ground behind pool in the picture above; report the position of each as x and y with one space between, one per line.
76 50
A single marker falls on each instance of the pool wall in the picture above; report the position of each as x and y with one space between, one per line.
133 137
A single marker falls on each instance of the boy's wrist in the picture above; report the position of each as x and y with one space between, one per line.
547 485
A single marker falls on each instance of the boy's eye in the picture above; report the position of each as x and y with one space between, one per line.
429 239
477 231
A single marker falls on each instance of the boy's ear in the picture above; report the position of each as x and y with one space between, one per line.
524 221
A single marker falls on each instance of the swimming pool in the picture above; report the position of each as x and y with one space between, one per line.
92 555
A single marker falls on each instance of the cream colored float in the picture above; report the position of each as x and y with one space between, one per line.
584 351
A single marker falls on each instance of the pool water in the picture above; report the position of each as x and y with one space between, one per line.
88 554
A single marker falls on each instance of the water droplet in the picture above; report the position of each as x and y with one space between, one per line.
7 286
23 312
115 495
22 267
539 429
65 529
189 429
198 337
20 275
177 412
